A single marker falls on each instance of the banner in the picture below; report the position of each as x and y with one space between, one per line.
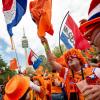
13 64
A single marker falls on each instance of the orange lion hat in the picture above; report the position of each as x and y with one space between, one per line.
74 53
16 87
87 26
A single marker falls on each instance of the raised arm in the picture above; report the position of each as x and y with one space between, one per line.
50 56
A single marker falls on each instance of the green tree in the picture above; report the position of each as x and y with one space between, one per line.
45 63
58 52
5 71
2 63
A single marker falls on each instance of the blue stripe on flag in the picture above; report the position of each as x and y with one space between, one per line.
64 39
37 63
23 3
20 11
94 16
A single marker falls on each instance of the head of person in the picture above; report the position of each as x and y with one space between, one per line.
91 27
74 59
16 87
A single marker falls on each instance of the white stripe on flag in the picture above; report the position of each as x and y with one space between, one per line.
33 59
68 32
10 14
94 11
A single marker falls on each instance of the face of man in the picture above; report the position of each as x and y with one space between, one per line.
95 38
74 63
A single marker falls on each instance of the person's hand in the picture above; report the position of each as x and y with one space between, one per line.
43 40
91 92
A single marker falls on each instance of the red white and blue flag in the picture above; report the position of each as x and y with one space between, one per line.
13 11
34 60
74 36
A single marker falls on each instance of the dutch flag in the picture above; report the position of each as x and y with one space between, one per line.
13 11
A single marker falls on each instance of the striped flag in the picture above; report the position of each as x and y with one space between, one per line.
67 37
13 11
74 34
34 60
65 40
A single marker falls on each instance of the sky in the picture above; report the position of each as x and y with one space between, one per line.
78 10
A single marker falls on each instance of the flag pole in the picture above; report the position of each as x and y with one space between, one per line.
60 31
35 55
14 48
12 45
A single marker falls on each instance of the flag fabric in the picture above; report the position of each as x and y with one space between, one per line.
30 57
66 41
13 11
80 42
41 15
33 60
13 64
37 62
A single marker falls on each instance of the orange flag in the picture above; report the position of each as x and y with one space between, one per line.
41 15
13 64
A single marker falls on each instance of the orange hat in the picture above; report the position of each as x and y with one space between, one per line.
74 53
16 87
93 21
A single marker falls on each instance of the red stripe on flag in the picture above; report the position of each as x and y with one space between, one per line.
80 42
30 58
93 4
7 4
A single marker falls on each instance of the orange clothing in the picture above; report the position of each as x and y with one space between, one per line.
30 95
70 85
56 89
41 14
48 88
41 95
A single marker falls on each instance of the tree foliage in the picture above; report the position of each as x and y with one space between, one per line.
45 63
58 52
2 63
5 72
